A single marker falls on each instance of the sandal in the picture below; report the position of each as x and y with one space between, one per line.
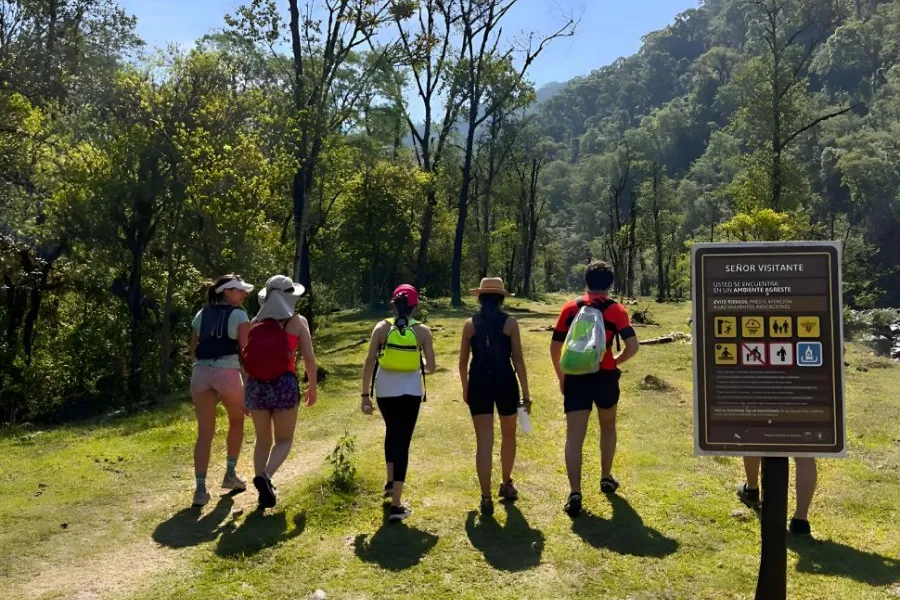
609 485
573 506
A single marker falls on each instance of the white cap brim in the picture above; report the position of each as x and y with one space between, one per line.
235 284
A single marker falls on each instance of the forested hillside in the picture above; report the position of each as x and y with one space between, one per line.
285 142
743 120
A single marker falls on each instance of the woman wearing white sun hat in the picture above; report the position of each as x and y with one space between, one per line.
219 333
273 395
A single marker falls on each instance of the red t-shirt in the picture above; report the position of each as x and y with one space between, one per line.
615 315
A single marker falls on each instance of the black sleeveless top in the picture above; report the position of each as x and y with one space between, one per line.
491 348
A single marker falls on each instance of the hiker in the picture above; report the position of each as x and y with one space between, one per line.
492 338
395 373
582 346
273 390
219 332
807 476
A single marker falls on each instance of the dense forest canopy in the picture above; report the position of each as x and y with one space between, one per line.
284 142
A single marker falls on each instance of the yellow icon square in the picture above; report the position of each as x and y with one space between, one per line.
725 327
753 327
808 327
726 354
781 327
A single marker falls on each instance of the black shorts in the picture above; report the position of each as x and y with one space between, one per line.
581 392
485 393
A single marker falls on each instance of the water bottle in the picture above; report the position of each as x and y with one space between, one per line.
524 418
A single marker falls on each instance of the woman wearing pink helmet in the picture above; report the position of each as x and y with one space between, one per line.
401 351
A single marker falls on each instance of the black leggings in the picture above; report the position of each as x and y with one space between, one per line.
400 415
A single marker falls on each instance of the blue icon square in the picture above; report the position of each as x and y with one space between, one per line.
809 354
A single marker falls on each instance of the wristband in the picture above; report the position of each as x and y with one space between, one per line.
364 395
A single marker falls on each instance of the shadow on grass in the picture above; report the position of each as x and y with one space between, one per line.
259 531
624 533
825 557
190 527
395 546
513 547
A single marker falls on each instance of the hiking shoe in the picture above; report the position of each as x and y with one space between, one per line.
201 498
800 527
573 506
398 513
508 491
266 491
234 482
609 485
749 496
388 489
487 506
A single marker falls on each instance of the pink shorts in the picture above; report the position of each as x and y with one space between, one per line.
224 382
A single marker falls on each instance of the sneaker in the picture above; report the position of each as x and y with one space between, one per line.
234 482
609 485
508 491
487 506
749 496
398 513
266 491
201 498
800 527
573 506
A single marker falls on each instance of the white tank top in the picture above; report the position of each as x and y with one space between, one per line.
390 384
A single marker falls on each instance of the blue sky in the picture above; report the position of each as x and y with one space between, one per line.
608 29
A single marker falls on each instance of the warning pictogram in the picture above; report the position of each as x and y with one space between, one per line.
808 327
726 327
781 355
753 355
780 327
726 354
753 327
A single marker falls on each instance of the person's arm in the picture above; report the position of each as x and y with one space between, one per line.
243 334
566 315
465 349
518 358
631 348
192 346
375 344
627 333
428 349
309 361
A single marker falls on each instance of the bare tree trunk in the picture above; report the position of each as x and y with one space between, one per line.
632 245
657 237
463 212
165 342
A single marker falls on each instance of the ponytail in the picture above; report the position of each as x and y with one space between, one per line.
490 306
404 310
214 297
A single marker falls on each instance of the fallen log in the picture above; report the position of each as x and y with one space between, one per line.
355 344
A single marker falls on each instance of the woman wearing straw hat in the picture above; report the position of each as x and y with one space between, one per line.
492 338
273 395
397 368
219 332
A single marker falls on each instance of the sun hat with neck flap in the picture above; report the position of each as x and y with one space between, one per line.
491 285
278 299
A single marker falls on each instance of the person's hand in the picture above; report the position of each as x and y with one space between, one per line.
366 406
311 396
562 385
466 395
526 404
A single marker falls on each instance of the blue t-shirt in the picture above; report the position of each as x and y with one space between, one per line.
237 317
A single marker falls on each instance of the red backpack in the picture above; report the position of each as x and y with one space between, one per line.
267 355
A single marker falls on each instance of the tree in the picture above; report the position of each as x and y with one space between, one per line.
481 38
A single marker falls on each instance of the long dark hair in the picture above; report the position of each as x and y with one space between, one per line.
490 306
214 297
403 308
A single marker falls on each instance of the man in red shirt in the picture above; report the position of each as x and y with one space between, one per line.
581 392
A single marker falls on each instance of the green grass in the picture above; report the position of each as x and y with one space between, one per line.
675 530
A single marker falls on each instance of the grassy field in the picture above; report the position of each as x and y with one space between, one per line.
100 510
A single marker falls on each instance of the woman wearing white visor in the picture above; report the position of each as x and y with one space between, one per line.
273 394
220 332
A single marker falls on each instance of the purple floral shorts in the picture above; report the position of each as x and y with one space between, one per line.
280 394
